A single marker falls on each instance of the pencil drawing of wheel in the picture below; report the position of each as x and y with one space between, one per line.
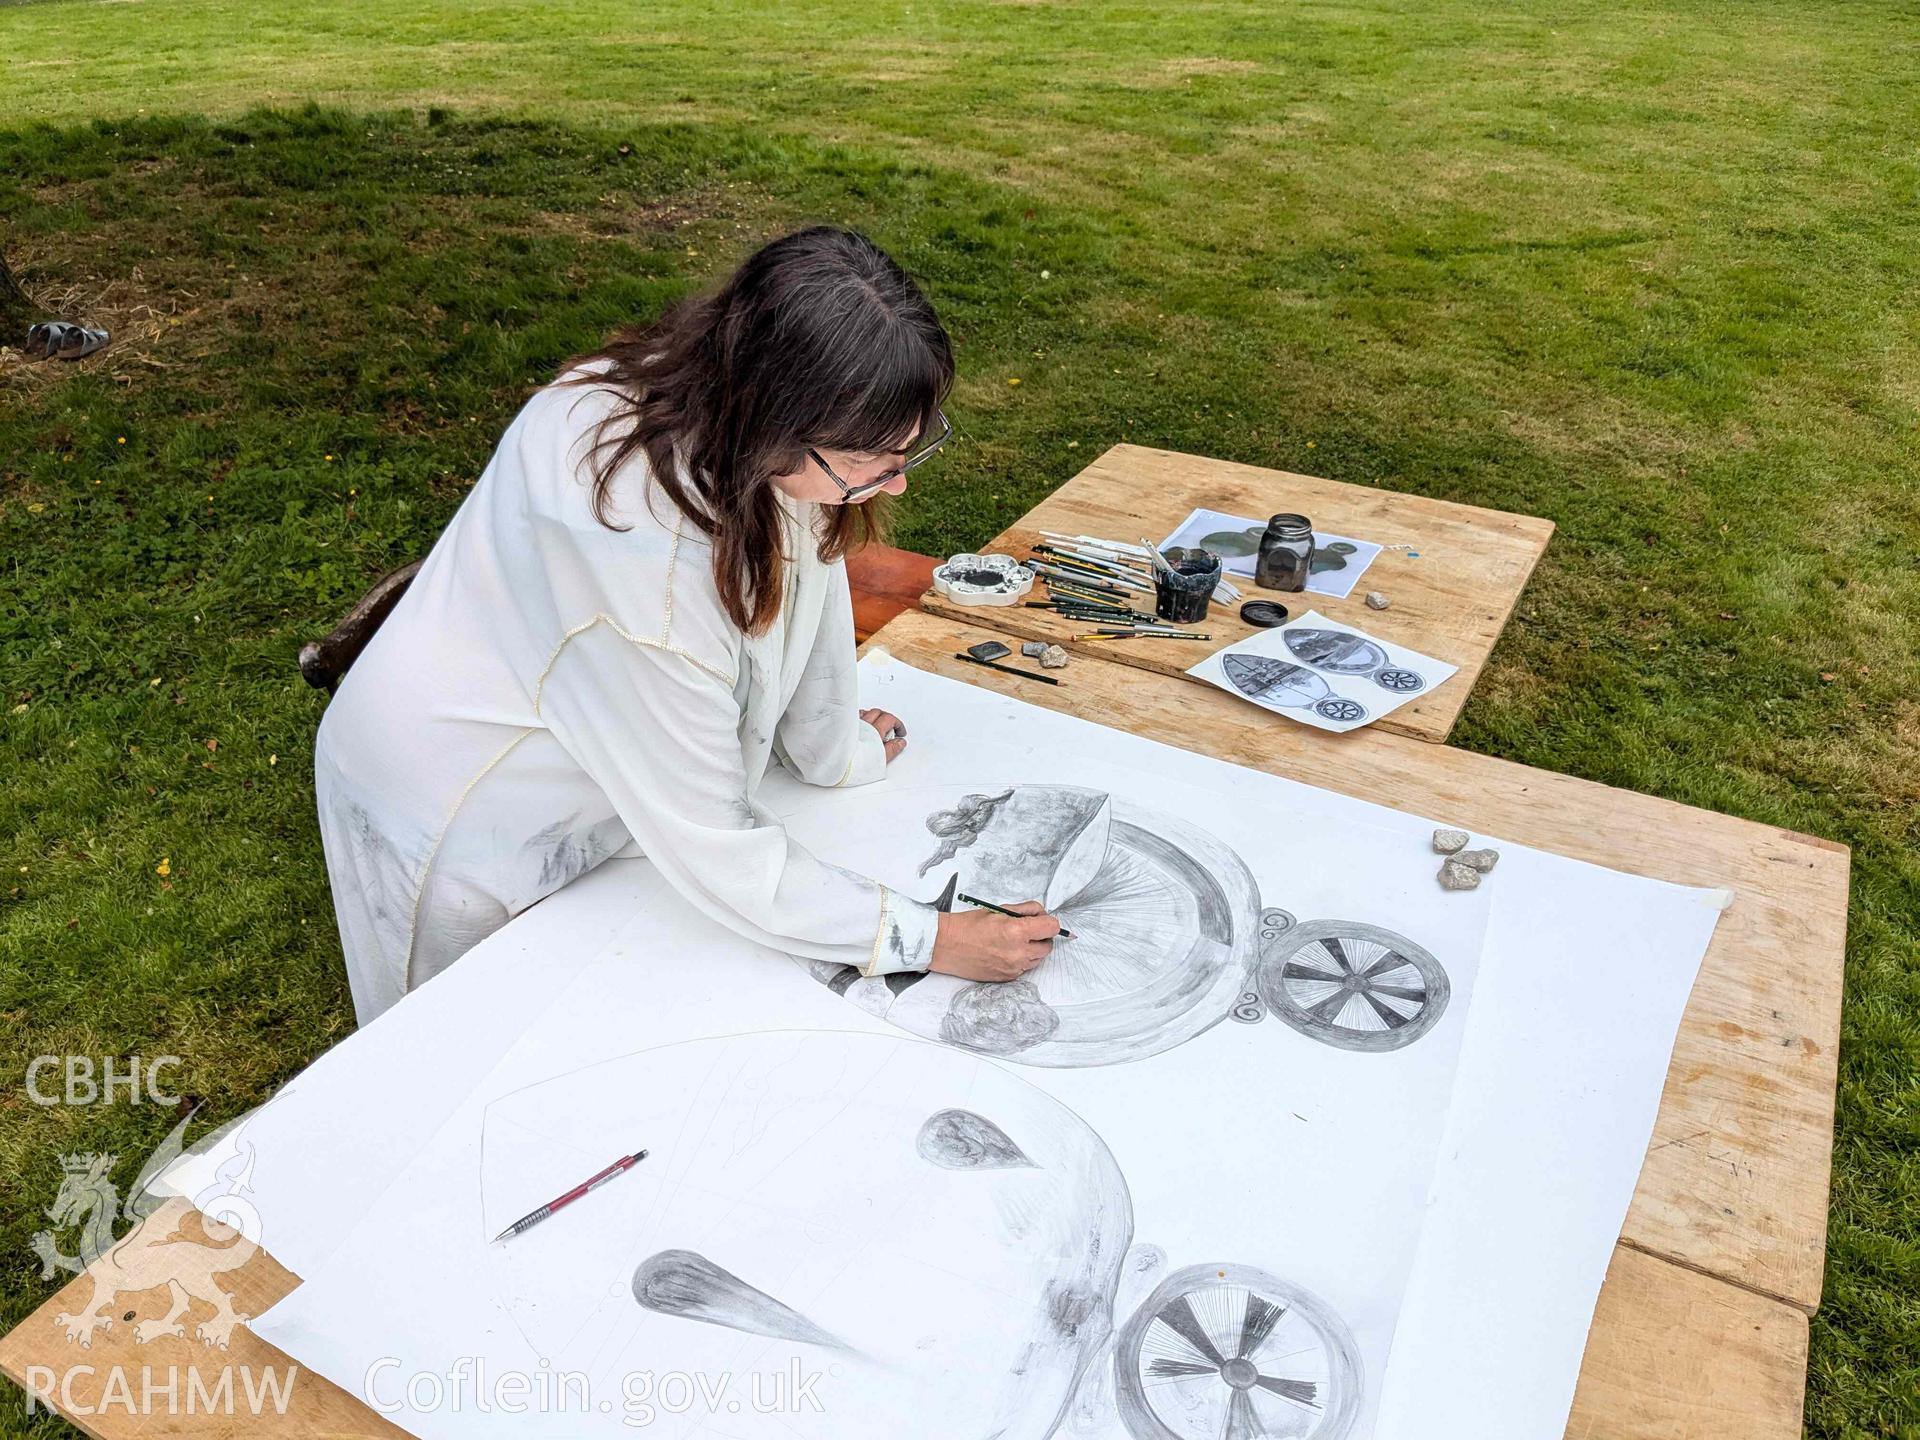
1405 682
1353 986
1338 707
1228 1352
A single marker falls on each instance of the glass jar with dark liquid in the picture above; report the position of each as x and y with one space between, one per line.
1182 592
1286 554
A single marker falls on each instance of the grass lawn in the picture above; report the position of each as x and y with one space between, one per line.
1646 270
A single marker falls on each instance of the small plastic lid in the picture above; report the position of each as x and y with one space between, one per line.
1264 613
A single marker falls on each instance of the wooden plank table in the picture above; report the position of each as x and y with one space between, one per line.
1451 602
1701 1328
1673 1356
1720 1258
1735 1183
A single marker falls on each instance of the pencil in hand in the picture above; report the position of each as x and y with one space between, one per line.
1065 934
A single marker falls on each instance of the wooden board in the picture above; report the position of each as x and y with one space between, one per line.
1673 1356
157 1251
1735 1183
1451 602
1682 1356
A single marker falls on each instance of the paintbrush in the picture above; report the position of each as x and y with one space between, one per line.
1094 542
1082 577
1005 669
1112 611
1085 589
1129 568
1088 557
1140 635
1117 619
1085 573
1160 562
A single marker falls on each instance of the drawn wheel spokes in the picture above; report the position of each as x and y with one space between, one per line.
1354 986
1227 1352
1403 682
1338 707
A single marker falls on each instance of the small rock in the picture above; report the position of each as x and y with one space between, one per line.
1053 658
1455 876
1448 841
1377 601
1033 648
1481 860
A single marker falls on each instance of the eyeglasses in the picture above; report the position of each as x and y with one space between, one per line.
867 487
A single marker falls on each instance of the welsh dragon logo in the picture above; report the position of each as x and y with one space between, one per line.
89 1199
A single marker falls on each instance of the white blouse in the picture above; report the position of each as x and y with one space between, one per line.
550 692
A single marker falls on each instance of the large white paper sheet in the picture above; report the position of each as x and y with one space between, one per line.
1255 1160
1200 1121
1551 1118
296 1173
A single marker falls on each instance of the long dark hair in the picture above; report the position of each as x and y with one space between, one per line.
818 339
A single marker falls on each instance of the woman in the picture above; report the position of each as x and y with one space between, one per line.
641 604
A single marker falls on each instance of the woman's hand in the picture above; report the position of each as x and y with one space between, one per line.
981 945
892 733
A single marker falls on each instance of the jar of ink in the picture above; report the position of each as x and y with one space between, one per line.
1181 592
1286 554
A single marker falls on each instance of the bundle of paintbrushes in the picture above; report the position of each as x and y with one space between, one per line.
1100 583
1140 632
1115 567
1058 564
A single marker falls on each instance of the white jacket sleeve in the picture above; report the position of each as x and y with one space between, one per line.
658 731
821 737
